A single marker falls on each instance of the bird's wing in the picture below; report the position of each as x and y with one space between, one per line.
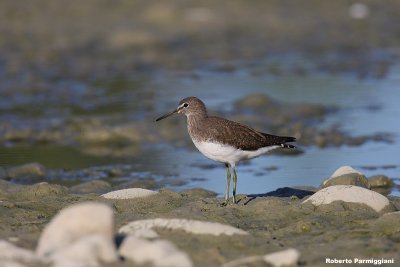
241 136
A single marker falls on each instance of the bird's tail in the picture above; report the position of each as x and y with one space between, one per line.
287 146
287 139
280 140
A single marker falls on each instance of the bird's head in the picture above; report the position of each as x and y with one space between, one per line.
188 106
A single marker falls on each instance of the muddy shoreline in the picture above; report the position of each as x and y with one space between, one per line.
274 223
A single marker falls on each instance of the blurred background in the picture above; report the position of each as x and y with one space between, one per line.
81 83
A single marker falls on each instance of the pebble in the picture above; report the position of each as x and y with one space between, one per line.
7 186
29 169
189 226
160 253
349 193
380 181
288 257
346 175
42 189
74 223
344 170
95 186
129 193
388 223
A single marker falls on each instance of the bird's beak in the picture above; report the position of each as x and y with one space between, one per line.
168 114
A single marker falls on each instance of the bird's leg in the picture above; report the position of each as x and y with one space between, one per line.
228 182
234 184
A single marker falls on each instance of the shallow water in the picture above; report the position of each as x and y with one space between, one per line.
366 106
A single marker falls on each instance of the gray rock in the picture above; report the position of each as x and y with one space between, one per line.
161 253
382 190
388 223
27 170
40 190
347 179
27 180
380 181
286 192
95 186
7 186
74 223
352 194
346 175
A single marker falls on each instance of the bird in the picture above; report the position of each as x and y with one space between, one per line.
224 140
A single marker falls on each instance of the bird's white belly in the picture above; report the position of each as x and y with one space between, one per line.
228 154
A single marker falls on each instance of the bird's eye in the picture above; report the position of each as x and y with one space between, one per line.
185 105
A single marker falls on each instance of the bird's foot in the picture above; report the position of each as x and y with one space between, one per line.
225 203
228 202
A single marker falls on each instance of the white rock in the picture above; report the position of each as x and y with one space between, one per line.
160 253
358 11
89 251
394 214
10 252
129 193
288 257
349 193
344 170
73 223
144 233
189 226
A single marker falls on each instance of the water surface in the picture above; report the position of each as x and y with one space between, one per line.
365 106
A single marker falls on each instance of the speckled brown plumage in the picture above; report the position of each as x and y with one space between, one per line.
232 133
